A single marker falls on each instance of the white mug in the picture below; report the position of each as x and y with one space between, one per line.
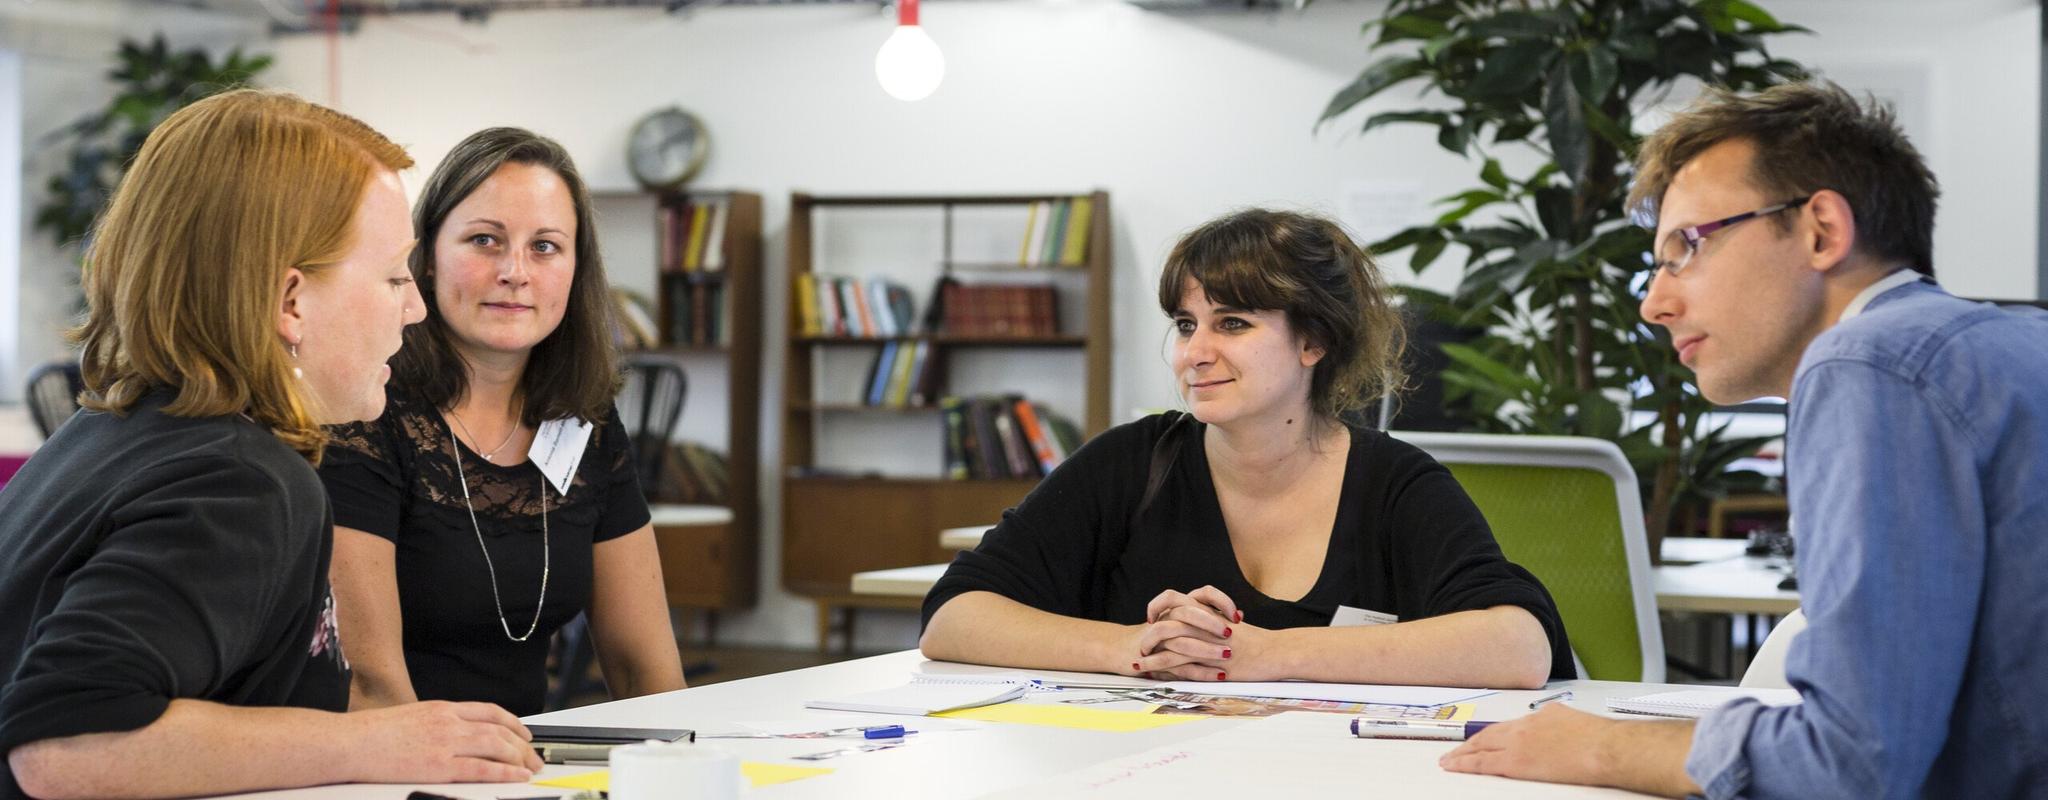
673 771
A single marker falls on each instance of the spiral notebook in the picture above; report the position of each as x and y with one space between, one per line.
1692 703
928 694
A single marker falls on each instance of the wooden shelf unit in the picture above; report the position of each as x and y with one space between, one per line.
713 565
833 527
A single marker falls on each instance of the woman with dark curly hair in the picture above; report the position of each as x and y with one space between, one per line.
1259 535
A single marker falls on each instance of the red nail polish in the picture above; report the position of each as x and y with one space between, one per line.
1240 615
1220 675
1226 633
1134 666
1226 652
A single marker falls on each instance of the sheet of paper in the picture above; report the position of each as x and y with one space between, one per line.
758 774
1315 751
1060 715
1339 692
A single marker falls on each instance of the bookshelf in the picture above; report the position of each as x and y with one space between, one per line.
867 485
706 315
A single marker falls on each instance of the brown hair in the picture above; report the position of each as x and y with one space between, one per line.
184 276
1307 266
572 372
1808 137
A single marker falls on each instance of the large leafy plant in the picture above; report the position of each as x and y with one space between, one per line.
1553 264
154 81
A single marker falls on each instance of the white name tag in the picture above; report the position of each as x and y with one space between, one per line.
557 449
1346 616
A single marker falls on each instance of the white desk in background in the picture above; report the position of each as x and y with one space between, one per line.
984 758
1719 579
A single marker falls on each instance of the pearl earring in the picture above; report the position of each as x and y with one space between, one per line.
297 371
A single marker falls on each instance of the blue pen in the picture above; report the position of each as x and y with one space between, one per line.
883 732
1436 729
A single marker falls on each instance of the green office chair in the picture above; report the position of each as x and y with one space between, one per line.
1568 509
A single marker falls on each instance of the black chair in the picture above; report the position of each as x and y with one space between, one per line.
650 402
53 390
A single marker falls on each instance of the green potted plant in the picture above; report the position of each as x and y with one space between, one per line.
1553 263
154 81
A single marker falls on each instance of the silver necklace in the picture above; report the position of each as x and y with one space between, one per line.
544 552
490 456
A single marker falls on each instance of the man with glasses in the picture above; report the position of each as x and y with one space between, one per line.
1794 259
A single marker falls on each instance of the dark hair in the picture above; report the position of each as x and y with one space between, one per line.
1808 136
1307 266
572 372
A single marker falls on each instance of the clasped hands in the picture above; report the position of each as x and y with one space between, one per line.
1197 636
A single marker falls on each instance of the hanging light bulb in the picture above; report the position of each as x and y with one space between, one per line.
909 65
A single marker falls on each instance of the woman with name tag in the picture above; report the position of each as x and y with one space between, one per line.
1260 535
496 498
166 628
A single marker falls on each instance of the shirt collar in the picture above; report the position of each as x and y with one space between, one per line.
1869 293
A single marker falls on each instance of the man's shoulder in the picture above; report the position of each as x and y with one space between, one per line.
1920 328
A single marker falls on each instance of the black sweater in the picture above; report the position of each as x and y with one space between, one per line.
148 558
1407 541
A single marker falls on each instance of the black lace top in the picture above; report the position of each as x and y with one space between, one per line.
395 477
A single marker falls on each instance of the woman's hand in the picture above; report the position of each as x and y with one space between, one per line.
443 742
1187 636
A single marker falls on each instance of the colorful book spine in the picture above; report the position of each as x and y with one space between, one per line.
1034 435
1074 249
955 414
714 237
693 248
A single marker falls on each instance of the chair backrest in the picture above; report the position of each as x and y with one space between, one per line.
1767 669
52 395
650 402
1567 508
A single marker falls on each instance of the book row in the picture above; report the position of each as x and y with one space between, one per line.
693 235
1004 437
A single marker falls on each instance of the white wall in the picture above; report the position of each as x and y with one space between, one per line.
66 50
1179 117
1965 78
11 373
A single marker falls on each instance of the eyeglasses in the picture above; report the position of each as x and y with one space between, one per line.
1679 246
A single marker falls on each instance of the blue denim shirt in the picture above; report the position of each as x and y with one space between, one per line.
1918 470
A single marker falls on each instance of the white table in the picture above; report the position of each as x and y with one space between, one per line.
966 538
1747 586
983 757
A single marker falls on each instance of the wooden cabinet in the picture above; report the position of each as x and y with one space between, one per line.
707 303
865 485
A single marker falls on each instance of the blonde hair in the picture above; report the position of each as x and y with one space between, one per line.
185 272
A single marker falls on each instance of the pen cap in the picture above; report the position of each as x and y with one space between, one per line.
663 771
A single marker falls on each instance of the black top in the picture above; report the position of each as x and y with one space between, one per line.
148 558
1407 541
395 478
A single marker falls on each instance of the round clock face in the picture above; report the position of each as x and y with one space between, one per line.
666 148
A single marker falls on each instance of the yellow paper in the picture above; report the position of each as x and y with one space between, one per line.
1060 715
762 774
758 774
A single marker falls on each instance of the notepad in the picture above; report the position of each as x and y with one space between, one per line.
1692 703
926 694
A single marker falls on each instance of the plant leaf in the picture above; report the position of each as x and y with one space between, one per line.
1518 25
1497 374
1511 70
1426 252
1565 116
1376 78
1493 175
